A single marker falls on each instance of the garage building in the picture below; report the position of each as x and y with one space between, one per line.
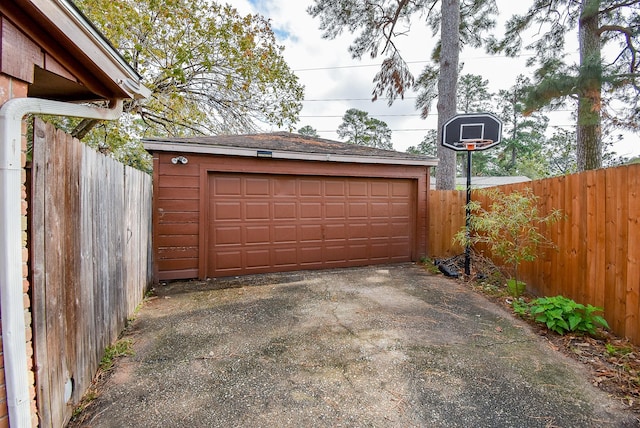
243 204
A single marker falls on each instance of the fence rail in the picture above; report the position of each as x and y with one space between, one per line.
90 238
598 241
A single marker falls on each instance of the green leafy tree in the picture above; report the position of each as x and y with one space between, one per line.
523 135
559 153
600 24
379 23
510 228
428 145
210 70
308 130
473 96
358 128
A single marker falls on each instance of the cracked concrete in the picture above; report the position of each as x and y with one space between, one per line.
390 346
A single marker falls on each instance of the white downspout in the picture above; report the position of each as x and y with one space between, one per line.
11 303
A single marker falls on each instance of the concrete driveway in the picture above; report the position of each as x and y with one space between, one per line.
390 346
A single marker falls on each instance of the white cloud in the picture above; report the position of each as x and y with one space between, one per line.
328 72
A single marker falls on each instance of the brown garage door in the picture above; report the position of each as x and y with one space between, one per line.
270 223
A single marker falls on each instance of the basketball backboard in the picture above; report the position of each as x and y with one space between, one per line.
472 131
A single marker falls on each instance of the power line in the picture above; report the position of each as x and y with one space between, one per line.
433 129
396 130
358 99
373 115
339 67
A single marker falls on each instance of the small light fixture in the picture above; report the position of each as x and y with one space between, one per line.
179 159
264 154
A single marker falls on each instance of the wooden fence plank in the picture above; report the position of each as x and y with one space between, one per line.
621 226
598 241
55 275
38 271
82 294
590 262
632 298
601 238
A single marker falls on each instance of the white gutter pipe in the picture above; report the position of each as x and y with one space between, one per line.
11 302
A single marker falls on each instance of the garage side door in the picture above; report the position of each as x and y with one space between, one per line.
271 223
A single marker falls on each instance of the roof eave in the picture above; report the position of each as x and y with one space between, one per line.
66 16
158 146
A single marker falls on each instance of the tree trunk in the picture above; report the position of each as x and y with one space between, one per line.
447 83
589 131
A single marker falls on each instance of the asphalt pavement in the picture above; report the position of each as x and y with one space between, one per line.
383 346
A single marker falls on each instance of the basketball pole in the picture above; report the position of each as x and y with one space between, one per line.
467 250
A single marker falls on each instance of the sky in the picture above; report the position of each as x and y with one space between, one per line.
334 82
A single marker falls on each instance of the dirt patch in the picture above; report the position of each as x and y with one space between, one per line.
376 346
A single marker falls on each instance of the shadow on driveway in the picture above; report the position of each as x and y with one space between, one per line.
384 346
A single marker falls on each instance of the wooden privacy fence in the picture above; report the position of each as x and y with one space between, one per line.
598 242
90 240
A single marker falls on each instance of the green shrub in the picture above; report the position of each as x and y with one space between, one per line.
510 227
561 314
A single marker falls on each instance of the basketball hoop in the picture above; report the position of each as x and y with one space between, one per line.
471 132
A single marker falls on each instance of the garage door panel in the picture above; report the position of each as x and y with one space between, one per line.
227 211
334 188
360 230
380 189
228 235
380 210
257 211
285 257
358 252
227 260
398 249
285 233
310 187
285 187
379 251
258 259
310 210
310 232
335 231
358 188
257 187
358 210
266 223
284 211
257 235
401 189
225 185
379 230
336 253
400 209
334 210
311 255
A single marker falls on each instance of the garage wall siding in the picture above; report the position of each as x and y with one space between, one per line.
181 199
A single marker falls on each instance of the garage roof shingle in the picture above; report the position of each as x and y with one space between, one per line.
281 143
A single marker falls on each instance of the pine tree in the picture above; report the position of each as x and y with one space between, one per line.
457 22
595 83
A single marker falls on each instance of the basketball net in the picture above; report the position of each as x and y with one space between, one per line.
475 144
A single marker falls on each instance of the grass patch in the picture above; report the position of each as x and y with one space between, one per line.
121 348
